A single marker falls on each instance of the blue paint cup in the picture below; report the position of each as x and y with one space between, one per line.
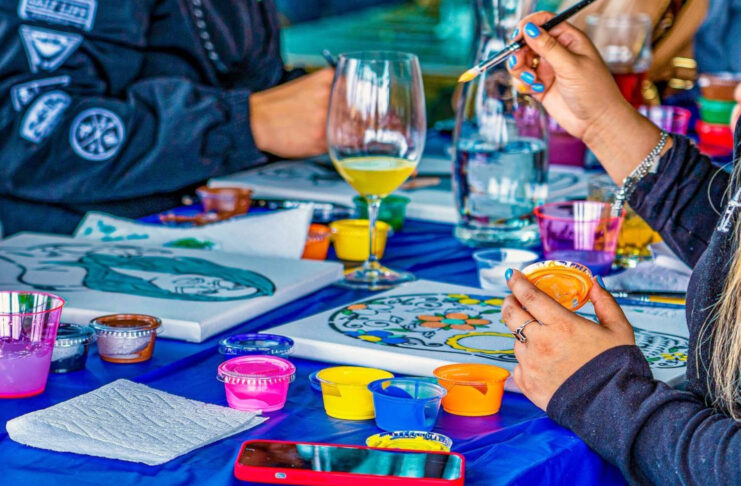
406 403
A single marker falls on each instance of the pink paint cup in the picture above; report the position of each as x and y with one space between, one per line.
256 382
28 328
672 119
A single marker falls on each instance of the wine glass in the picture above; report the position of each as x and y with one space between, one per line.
376 135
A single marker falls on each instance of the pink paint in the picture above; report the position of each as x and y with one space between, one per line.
24 368
256 382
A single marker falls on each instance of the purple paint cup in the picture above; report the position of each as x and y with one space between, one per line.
672 119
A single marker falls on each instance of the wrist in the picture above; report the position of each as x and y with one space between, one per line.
258 123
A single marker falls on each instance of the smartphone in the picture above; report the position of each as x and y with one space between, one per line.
303 463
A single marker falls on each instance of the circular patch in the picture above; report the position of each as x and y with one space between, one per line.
96 134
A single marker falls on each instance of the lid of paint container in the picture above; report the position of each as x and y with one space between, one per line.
130 325
73 335
256 368
410 440
568 283
256 343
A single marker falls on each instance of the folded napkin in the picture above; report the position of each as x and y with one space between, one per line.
279 234
131 422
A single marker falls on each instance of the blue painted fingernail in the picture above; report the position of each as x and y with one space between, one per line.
508 274
601 282
528 77
512 61
515 34
532 30
538 87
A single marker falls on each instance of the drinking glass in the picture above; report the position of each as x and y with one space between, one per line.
624 41
376 135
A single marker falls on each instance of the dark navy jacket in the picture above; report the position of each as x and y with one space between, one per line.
121 105
656 434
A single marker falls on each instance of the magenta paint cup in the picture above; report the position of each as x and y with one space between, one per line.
580 231
564 149
28 328
672 119
257 382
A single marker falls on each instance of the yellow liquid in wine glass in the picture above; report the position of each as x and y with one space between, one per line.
375 176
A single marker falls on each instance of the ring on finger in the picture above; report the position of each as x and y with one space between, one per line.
519 332
535 63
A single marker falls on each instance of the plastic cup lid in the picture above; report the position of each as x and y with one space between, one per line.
73 335
255 368
131 325
567 282
254 343
410 440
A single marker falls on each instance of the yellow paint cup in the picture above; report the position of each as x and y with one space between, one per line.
350 238
345 391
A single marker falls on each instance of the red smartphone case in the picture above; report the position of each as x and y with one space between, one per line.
303 477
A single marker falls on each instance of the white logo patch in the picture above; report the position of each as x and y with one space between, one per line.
96 134
23 94
44 115
77 13
46 49
726 222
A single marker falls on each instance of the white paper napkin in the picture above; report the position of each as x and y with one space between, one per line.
279 234
131 422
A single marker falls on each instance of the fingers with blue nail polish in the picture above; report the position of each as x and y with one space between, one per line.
528 77
515 34
538 87
532 30
512 61
508 274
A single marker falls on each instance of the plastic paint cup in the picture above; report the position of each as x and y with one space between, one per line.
719 86
255 383
568 283
317 243
492 265
126 338
406 403
714 111
71 347
255 343
28 328
410 440
351 237
474 390
564 149
345 391
672 119
225 200
393 210
580 231
717 135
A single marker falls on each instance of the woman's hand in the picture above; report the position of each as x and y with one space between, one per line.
564 342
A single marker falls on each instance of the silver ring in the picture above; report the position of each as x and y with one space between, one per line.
519 334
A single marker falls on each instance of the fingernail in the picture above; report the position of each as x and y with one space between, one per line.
538 87
528 77
515 34
512 61
508 274
601 282
532 30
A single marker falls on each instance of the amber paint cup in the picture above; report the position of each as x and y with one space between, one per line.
126 338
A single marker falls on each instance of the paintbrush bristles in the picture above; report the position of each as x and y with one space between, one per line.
469 75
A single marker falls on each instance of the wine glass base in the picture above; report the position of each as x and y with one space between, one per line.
378 278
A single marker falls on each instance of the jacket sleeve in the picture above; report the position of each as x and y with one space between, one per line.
653 433
683 200
163 135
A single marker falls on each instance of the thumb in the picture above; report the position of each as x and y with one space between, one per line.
549 48
608 311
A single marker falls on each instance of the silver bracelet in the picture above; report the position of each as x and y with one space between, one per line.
631 182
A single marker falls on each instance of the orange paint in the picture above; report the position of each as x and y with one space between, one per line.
567 283
474 390
457 316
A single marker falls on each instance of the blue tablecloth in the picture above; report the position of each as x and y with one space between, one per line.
518 446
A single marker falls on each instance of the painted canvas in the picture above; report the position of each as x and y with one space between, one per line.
196 294
317 180
422 325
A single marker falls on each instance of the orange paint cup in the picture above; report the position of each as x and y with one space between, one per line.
474 390
317 243
568 283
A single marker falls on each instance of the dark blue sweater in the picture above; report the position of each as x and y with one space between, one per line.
653 433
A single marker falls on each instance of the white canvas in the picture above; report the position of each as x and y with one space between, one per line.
317 180
196 294
417 327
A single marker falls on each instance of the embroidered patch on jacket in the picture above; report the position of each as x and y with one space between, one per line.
46 49
97 134
24 93
77 13
44 115
727 221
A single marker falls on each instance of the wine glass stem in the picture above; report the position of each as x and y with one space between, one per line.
374 204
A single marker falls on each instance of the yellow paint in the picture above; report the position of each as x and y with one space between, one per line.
413 441
375 176
345 391
350 238
454 342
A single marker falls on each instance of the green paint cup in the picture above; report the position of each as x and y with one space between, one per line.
393 210
715 111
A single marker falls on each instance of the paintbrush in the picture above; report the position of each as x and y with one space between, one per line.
657 298
327 55
499 57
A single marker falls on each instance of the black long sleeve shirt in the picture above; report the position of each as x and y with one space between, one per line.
122 105
653 433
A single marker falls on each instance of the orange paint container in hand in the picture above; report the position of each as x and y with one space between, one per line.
474 390
568 283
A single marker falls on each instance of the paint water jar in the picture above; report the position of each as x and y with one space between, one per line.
28 327
125 338
256 383
345 391
406 403
71 347
474 390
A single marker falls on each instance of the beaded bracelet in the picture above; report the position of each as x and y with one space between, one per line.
631 182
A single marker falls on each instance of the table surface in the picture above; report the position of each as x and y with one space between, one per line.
520 445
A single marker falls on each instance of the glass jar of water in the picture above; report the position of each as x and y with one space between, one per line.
500 169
